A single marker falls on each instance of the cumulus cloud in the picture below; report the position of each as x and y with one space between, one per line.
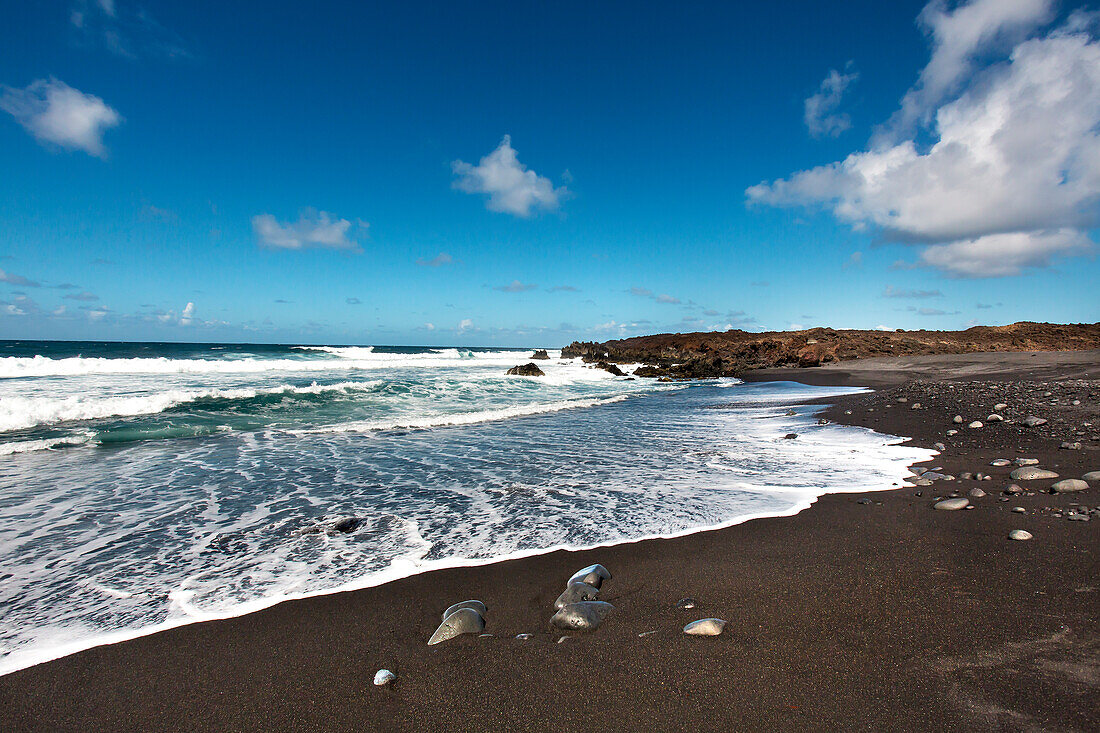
313 230
1012 179
892 292
512 188
658 297
821 113
57 114
439 260
188 314
515 287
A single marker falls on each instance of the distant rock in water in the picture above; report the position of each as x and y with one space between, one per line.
530 369
540 354
608 367
346 525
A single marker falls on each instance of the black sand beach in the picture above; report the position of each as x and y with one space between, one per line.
864 612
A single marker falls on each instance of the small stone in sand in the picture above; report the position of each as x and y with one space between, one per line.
524 637
994 417
952 432
950 505
594 575
1026 461
705 627
1014 489
384 677
1092 476
1000 462
1070 446
1031 473
1068 485
1019 510
977 493
462 621
902 400
475 605
1033 422
685 603
975 424
999 407
1019 534
916 406
939 446
958 419
583 616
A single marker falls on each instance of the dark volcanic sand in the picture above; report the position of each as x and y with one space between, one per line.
848 616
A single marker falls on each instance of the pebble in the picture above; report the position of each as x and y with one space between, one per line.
999 407
646 633
1068 485
685 603
1077 517
594 575
975 424
939 446
952 432
1070 446
1033 422
916 406
998 462
950 505
902 400
462 621
1026 461
1092 476
524 637
583 616
1019 534
384 677
994 417
977 493
1019 510
705 627
1031 473
1014 489
958 419
863 501
475 605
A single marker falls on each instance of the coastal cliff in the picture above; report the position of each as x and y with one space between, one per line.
729 353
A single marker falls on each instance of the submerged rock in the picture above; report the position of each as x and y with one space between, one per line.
575 593
346 525
609 367
705 627
462 621
583 616
1031 473
475 605
540 354
529 369
594 575
950 505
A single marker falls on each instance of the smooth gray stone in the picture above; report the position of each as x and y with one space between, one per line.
705 627
994 417
940 447
384 677
977 493
950 505
462 621
1033 422
1000 407
594 575
685 603
575 593
1026 461
476 605
998 462
1068 485
1070 446
1013 489
1019 534
1031 473
958 419
1092 476
976 424
583 616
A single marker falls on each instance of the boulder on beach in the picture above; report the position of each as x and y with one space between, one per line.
529 369
475 605
575 593
951 505
462 621
540 354
1031 473
1068 486
705 627
593 575
583 616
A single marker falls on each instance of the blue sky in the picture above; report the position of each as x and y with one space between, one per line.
527 174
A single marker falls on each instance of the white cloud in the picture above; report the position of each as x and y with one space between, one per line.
821 108
515 287
429 326
892 292
439 260
511 187
658 297
188 314
312 230
12 279
1012 179
54 112
465 325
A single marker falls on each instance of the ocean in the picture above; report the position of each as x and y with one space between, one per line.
144 486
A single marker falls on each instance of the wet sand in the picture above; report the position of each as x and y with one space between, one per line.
880 615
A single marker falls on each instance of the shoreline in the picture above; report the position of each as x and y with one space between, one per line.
833 618
394 573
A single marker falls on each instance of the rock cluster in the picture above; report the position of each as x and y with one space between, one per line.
578 608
